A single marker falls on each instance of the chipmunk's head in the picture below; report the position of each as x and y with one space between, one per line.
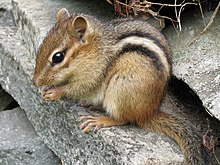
65 50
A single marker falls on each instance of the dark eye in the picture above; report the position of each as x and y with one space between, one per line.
58 57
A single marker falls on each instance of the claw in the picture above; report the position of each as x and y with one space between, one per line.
89 127
85 123
51 94
96 128
94 123
90 123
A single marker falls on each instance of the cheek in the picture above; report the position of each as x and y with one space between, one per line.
76 66
53 75
64 74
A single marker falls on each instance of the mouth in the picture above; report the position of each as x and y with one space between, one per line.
46 88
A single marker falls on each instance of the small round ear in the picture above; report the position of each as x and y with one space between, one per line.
80 26
62 14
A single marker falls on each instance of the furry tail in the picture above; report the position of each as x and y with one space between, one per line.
185 135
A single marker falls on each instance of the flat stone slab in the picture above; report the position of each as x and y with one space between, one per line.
57 122
199 64
19 143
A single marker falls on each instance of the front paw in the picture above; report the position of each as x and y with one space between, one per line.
52 94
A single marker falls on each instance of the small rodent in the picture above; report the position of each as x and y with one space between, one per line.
123 66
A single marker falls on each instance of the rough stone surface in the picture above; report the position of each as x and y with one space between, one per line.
199 64
19 143
57 122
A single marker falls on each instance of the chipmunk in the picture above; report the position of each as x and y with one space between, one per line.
123 66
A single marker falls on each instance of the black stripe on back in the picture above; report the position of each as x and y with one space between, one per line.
143 51
148 36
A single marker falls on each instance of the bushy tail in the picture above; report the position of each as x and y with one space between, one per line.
186 136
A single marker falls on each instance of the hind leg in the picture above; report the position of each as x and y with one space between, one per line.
96 122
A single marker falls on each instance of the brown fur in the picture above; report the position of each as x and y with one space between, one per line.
123 66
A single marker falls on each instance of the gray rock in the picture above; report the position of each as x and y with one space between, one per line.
199 64
5 6
19 143
57 122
